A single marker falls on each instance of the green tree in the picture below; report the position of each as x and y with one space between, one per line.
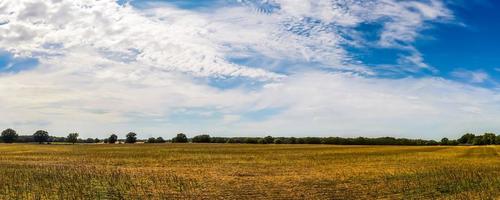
467 138
131 138
268 140
72 137
478 140
112 139
160 140
180 138
444 141
151 140
201 139
41 136
9 135
489 138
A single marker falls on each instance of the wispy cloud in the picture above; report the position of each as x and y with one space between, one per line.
476 76
105 66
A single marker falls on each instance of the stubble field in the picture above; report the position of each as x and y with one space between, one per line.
241 171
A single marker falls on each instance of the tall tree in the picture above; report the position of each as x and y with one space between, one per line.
112 138
9 135
72 137
41 136
180 138
131 138
467 138
444 141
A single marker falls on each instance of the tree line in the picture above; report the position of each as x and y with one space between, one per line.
42 136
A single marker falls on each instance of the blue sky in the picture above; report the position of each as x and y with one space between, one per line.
422 68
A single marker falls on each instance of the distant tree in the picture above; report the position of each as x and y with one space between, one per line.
278 141
489 138
72 137
112 139
131 138
151 140
478 140
453 142
201 139
466 138
497 139
106 140
218 140
160 140
180 138
89 140
312 140
9 135
41 136
444 141
97 140
251 140
268 140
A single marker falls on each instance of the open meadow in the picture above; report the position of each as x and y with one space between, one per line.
245 171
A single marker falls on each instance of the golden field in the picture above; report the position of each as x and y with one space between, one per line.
245 171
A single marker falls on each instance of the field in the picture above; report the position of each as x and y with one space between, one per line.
240 171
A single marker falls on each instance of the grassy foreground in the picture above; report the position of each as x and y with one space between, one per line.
227 171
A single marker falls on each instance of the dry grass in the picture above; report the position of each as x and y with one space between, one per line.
239 171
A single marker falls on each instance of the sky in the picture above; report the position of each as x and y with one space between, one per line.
417 69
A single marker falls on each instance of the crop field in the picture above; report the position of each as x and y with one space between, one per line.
244 171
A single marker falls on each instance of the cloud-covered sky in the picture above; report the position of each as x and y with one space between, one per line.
419 69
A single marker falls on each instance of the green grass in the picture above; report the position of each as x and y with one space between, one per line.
241 171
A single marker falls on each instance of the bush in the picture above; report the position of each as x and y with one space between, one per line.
9 135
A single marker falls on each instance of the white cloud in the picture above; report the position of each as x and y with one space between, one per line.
477 76
105 67
344 104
